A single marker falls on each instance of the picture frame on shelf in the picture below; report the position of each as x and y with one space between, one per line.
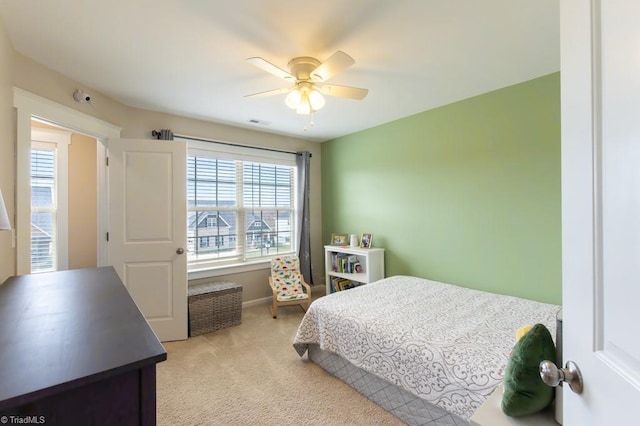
366 240
339 239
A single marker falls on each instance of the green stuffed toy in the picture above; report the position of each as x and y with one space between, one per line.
524 391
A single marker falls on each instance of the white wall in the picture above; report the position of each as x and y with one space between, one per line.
7 126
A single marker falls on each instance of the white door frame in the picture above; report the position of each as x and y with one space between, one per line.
30 106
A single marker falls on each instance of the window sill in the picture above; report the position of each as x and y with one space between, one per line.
217 271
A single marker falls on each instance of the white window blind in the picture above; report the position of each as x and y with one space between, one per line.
48 234
238 211
43 209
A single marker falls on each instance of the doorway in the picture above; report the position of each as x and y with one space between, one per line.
31 107
64 191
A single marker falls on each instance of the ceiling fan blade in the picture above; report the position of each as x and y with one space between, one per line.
344 91
332 66
269 92
270 68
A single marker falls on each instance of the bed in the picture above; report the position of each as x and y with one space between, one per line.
430 353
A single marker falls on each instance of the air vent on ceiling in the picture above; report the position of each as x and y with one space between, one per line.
259 122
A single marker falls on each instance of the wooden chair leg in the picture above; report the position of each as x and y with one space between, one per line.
274 310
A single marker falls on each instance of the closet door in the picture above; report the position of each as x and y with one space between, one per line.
148 229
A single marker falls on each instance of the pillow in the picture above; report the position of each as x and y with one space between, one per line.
524 391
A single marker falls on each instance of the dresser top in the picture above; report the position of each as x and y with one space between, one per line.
62 330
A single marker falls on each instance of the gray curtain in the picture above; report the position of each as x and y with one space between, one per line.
304 239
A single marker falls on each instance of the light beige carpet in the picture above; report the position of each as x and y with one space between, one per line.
250 374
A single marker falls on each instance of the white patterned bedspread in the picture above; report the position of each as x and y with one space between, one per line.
446 344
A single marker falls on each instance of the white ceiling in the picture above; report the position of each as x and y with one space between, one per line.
188 57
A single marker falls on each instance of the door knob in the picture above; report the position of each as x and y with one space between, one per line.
180 250
553 375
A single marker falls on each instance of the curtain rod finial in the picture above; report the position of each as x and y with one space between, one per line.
162 134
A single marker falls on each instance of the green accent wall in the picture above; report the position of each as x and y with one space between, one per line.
468 193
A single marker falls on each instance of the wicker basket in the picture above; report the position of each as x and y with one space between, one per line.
213 306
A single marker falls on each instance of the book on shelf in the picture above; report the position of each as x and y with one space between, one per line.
345 263
334 285
350 284
340 284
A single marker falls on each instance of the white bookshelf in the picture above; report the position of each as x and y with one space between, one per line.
371 260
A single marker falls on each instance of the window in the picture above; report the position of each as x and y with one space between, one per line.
49 200
43 209
240 205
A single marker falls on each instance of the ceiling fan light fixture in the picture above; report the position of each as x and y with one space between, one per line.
305 101
304 107
293 99
305 97
316 100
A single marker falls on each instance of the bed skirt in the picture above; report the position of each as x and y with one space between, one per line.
404 405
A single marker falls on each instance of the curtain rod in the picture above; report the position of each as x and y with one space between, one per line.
236 144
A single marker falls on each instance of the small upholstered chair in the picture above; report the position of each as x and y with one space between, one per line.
288 285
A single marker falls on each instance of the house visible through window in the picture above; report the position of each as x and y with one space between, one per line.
240 208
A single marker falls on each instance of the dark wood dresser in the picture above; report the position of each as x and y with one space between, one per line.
75 350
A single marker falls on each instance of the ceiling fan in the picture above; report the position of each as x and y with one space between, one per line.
305 95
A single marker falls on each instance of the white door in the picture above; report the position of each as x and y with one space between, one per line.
147 229
600 79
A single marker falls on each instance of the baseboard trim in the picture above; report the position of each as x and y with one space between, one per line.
267 300
254 302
